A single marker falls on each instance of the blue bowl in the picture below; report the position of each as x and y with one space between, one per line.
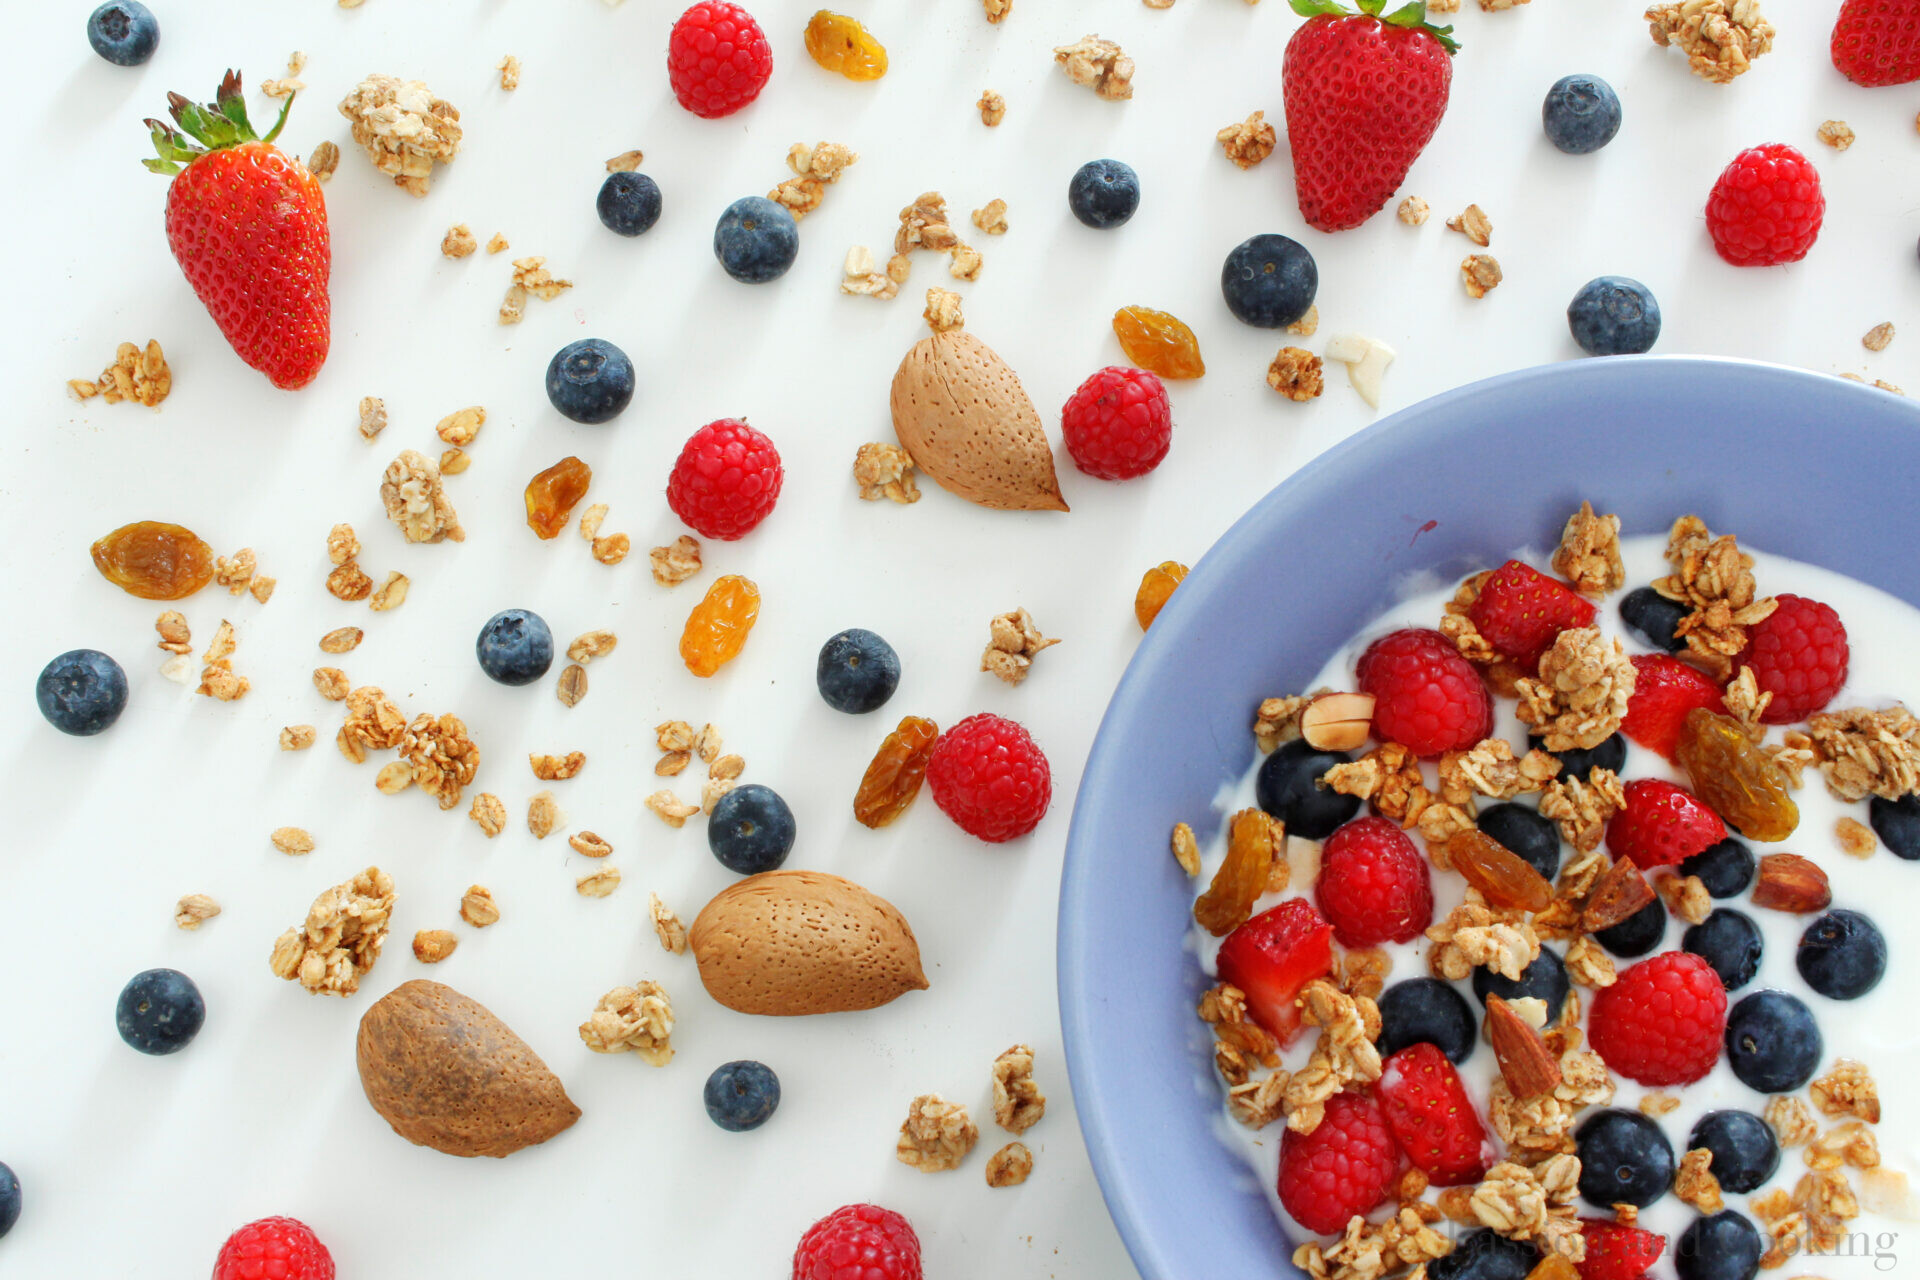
1798 463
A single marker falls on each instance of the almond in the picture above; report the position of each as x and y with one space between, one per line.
1337 721
963 416
1526 1064
1788 882
1620 893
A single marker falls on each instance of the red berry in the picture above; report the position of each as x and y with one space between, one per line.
990 778
1664 690
858 1242
273 1249
1615 1252
1799 655
725 481
718 59
1272 957
1346 1166
1373 884
1432 1117
1661 825
1766 207
1877 42
1118 424
1427 697
1520 610
1662 1021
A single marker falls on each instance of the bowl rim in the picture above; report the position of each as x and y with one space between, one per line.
1123 1192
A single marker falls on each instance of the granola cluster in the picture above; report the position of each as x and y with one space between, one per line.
530 277
141 376
814 169
341 937
417 502
1098 64
1018 1103
1344 1053
1721 38
1012 642
1580 696
1475 935
1249 142
1862 752
936 1135
636 1019
1369 1250
1536 1203
885 471
1715 578
1589 552
405 129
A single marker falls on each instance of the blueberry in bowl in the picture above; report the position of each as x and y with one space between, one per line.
1842 955
1288 787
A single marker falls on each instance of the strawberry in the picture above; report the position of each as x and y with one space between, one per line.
1431 1116
1364 95
1520 610
1661 825
248 226
1664 690
1877 42
1615 1252
1272 956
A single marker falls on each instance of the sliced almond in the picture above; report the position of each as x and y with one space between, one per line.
1337 721
1620 893
1788 882
1526 1064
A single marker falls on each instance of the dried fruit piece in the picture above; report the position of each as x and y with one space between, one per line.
718 626
154 560
1242 878
1156 585
1158 343
1735 778
1505 879
839 43
893 779
553 494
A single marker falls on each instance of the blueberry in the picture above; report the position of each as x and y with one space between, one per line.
1581 114
590 380
1638 934
1544 979
1723 1247
1614 316
756 240
1482 1255
1523 831
82 692
751 829
1842 955
1653 618
742 1095
124 32
1426 1010
1897 823
1773 1043
1269 281
1745 1151
1287 787
857 672
1729 941
1578 763
628 203
1624 1159
10 1199
1104 193
160 1011
515 647
1726 867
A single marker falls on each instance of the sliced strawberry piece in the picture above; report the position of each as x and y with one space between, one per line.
1272 956
1615 1252
1520 610
1664 690
1431 1116
1661 825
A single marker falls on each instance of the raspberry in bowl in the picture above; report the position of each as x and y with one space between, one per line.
1297 593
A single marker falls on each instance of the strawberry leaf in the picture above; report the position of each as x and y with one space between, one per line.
1316 8
211 126
1411 16
1372 8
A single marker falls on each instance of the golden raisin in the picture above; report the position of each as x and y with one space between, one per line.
840 43
1734 777
1506 880
894 777
717 628
1252 845
552 495
1158 343
154 560
1156 586
1554 1267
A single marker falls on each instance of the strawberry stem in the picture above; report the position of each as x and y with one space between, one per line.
207 127
1411 16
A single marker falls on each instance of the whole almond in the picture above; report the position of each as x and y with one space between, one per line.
1526 1064
1621 892
1788 882
1337 721
963 416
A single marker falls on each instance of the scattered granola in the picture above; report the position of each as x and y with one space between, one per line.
443 757
1847 1089
1589 552
671 809
175 637
1475 935
589 845
489 814
404 128
993 107
1836 134
543 815
1792 1121
416 502
1480 273
530 276
1473 222
454 461
478 908
1695 1184
885 471
323 161
1589 965
341 937
1343 1054
1851 1144
936 1135
431 946
1716 578
497 243
194 910
1278 721
1659 1104
1098 64
1009 1166
462 425
459 241
373 721
1855 838
667 926
292 840
136 374
598 884
1862 752
965 263
551 768
626 161
1307 325
636 1019
997 9
1018 1103
1489 769
509 73
1534 1204
1720 37
613 549
992 217
861 279
1249 142
675 563
217 679
350 583
1013 640
1296 373
1581 809
1878 337
1413 210
814 168
1186 850
390 594
297 737
1368 1250
290 84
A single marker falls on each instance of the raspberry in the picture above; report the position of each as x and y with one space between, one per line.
273 1249
1520 610
725 481
1615 1252
1661 1023
1799 655
1373 884
1664 690
990 778
718 59
858 1242
1347 1165
1427 697
1661 825
1118 424
1766 207
1432 1117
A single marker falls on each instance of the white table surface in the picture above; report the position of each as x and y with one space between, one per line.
138 1166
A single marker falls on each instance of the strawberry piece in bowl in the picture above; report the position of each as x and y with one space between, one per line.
1272 957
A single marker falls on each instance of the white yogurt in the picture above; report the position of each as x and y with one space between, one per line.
1880 1029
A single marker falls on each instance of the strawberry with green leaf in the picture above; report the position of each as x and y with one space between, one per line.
1364 94
248 226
